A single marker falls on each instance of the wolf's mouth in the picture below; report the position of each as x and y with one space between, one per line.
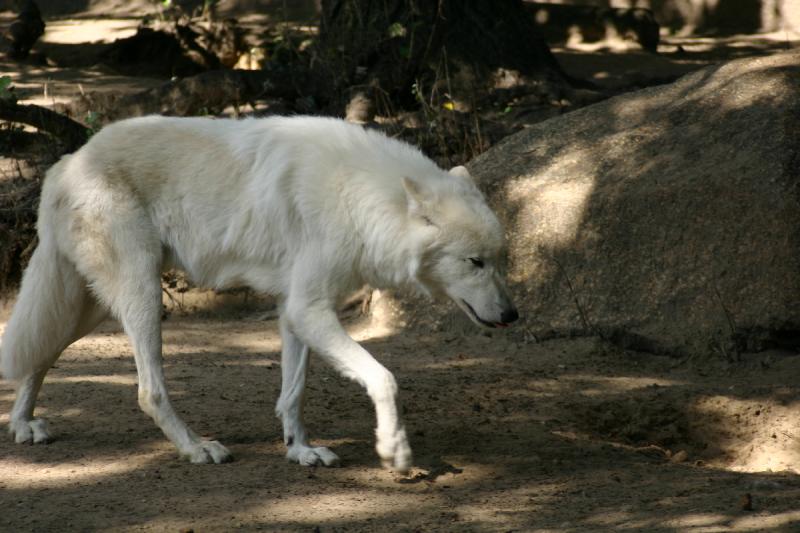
474 316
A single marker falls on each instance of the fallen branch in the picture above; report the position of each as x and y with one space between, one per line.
72 134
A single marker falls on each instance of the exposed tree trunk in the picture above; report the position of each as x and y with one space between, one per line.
23 32
392 44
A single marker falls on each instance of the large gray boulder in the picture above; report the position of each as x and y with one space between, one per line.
668 219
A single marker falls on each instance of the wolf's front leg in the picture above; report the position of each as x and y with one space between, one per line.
319 328
294 366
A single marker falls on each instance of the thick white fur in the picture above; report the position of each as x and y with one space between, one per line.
304 208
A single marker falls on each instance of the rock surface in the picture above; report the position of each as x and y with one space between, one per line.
666 219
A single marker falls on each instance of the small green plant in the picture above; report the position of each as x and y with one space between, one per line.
6 89
453 126
397 30
93 121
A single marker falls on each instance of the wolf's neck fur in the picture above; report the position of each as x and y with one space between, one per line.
391 253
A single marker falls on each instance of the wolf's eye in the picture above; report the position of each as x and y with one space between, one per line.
476 261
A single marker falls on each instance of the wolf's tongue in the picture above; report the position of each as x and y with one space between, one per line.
501 324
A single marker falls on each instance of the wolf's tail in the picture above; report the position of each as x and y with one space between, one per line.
45 315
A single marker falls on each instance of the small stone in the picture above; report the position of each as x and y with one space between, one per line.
746 502
679 457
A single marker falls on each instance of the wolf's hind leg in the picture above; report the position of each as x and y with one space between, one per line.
294 367
54 309
131 286
22 425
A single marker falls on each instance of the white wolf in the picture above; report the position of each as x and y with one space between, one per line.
305 208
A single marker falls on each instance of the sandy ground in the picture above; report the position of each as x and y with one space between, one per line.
41 82
508 434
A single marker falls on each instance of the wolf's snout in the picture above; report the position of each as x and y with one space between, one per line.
509 315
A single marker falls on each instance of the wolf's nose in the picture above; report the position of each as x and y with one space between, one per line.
509 315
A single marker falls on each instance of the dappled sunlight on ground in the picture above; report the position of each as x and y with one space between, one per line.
787 521
746 43
714 523
756 435
565 435
20 474
68 31
47 84
592 385
316 509
461 362
113 379
625 68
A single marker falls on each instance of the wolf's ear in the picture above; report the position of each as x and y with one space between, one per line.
462 172
418 196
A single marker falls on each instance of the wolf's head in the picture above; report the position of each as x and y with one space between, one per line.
462 247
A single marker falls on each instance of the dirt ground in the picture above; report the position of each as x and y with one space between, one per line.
509 434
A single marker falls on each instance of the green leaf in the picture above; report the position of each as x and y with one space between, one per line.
93 122
396 30
5 87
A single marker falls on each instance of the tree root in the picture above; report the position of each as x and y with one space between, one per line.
70 133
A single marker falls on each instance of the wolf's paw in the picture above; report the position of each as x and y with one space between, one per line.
208 451
308 456
394 451
33 431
